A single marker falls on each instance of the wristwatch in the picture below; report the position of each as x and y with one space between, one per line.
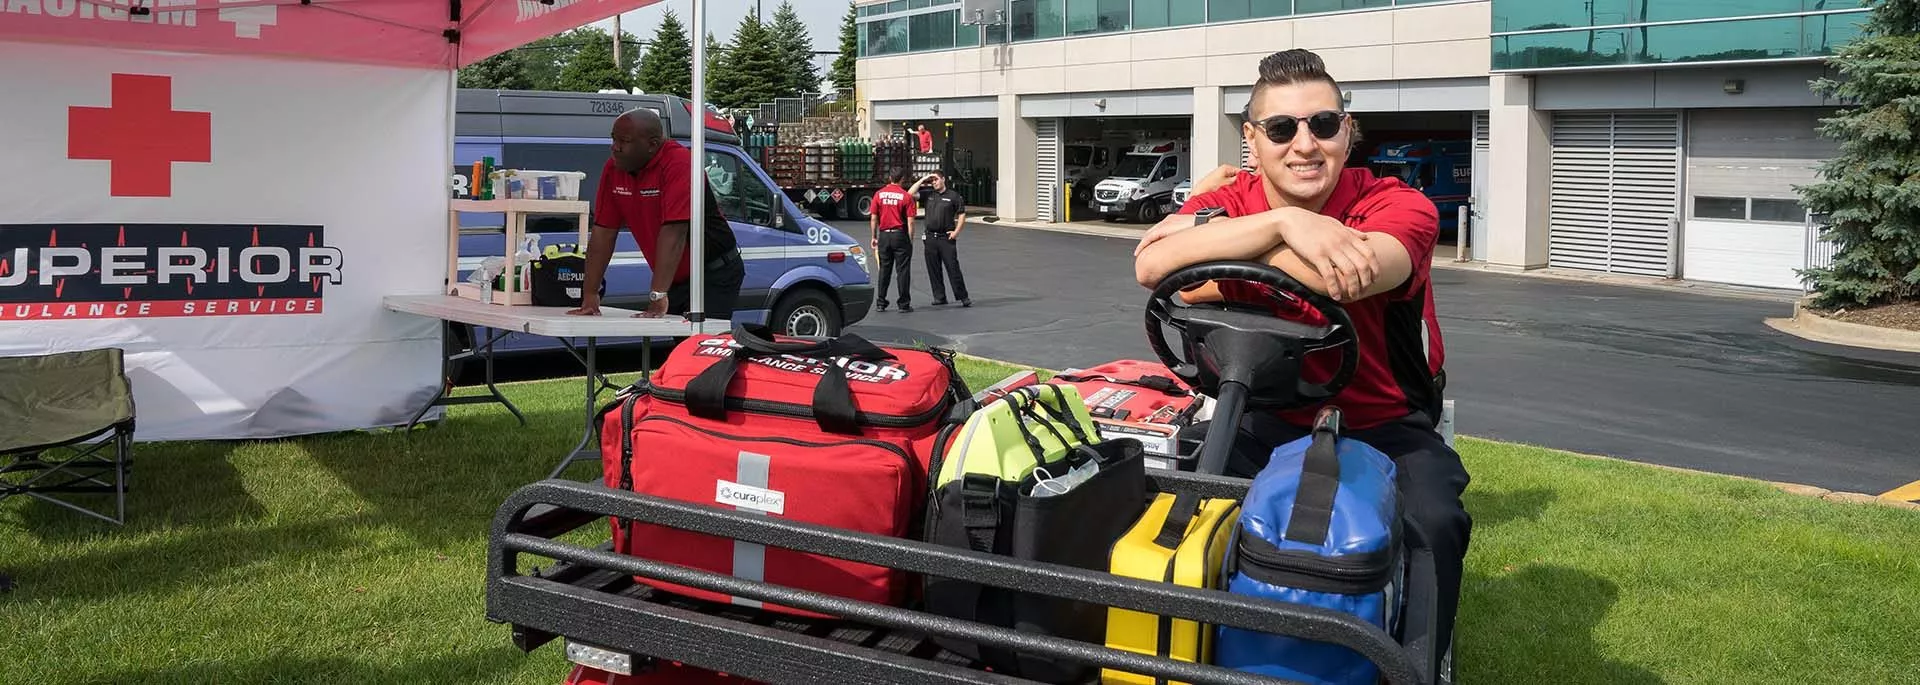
655 296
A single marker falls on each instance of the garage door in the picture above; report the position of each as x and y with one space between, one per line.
1615 191
1046 157
1744 223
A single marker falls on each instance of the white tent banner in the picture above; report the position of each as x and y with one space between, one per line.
232 223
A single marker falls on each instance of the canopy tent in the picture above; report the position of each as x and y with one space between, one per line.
176 55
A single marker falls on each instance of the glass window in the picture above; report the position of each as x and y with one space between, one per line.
966 35
1788 211
1720 208
886 36
1154 14
1307 6
1567 49
1096 16
1234 10
1526 15
1036 19
932 31
742 196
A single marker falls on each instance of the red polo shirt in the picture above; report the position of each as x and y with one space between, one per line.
1392 327
893 204
655 195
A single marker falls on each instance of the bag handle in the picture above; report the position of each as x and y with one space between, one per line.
1312 504
1319 482
1150 382
833 407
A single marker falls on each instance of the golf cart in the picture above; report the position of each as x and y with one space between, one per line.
1240 355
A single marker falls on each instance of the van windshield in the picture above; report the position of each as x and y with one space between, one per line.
1399 170
1135 166
1078 155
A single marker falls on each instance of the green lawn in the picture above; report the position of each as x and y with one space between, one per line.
359 558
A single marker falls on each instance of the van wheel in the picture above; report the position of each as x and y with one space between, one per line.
806 312
863 207
1149 213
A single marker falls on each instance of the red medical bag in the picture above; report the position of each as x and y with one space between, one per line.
837 433
661 673
1141 400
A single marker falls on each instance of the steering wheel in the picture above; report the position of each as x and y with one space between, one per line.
1229 341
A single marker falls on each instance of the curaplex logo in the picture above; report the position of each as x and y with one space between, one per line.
125 271
749 497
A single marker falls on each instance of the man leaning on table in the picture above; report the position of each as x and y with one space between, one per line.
644 186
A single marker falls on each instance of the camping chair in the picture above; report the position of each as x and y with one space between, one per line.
51 406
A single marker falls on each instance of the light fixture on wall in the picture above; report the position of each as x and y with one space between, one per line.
1101 103
1734 86
1346 99
936 110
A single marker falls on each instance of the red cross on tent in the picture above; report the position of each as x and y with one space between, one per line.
141 135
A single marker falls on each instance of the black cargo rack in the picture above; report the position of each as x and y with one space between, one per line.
589 596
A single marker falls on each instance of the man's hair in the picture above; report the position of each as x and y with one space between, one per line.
898 175
1289 67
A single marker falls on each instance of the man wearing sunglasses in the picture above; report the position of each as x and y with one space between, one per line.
1364 241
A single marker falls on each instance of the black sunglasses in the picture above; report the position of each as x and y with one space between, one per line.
1280 128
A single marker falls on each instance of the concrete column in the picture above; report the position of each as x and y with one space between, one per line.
1018 140
1519 183
1216 135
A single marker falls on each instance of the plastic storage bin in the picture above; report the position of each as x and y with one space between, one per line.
523 184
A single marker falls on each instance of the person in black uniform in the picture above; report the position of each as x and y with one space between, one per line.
946 216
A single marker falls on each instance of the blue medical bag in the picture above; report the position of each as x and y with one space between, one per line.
1320 527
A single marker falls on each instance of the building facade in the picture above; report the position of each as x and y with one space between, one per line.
1650 137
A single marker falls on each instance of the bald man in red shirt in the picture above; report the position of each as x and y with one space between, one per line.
1365 241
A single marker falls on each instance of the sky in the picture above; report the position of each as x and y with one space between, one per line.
823 18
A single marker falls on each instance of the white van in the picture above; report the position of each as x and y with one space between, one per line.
1143 181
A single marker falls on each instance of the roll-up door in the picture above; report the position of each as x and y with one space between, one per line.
1047 168
1615 191
1744 221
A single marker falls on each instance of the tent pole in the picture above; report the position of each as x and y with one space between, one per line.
696 200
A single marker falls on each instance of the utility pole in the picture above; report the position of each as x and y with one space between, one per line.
616 42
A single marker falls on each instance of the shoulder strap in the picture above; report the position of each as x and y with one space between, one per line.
1160 383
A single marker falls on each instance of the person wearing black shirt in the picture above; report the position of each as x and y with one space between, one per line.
946 216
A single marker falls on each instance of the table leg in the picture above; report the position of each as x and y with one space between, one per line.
493 396
587 449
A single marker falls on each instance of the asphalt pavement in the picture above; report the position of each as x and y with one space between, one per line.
1676 378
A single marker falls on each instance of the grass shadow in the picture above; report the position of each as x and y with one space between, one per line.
1537 625
442 485
159 565
1495 507
169 485
486 666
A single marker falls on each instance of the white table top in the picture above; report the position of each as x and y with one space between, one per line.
613 322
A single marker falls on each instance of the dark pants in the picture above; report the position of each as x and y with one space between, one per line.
943 257
896 261
724 274
1430 476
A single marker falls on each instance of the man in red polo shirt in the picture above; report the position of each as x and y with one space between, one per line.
644 186
892 224
1366 242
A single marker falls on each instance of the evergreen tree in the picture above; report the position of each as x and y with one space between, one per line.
752 65
719 80
505 70
795 47
1870 192
844 66
591 67
668 66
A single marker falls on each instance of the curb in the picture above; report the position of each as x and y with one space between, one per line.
1800 489
1806 324
1072 229
1644 282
